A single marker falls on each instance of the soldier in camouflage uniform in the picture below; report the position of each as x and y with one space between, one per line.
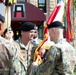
9 35
28 42
61 57
11 62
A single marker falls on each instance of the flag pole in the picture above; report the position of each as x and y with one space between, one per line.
8 4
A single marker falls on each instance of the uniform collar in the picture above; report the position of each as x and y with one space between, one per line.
60 40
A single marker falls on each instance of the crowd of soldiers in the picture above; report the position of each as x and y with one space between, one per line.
16 57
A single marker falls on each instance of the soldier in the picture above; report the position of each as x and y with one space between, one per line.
11 61
61 57
9 35
28 42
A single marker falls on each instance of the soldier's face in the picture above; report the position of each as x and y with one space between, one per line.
32 34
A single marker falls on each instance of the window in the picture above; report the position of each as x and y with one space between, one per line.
42 5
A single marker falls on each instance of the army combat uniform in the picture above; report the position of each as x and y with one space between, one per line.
10 59
28 52
59 60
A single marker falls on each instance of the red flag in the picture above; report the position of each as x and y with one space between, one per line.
53 15
68 21
57 14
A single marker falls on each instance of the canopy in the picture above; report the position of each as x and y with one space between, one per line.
31 14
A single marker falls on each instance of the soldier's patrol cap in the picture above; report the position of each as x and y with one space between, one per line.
2 18
56 24
27 26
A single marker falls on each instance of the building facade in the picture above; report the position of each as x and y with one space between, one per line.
48 5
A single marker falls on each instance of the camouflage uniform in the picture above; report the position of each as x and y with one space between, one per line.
28 53
59 60
10 59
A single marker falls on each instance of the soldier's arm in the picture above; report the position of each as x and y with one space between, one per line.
4 60
52 56
50 60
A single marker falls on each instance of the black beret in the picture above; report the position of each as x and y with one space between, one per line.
2 18
27 26
56 24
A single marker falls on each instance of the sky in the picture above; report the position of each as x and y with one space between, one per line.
2 9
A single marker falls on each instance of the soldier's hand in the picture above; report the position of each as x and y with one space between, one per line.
34 64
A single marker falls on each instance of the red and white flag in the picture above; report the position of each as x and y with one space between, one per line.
57 14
